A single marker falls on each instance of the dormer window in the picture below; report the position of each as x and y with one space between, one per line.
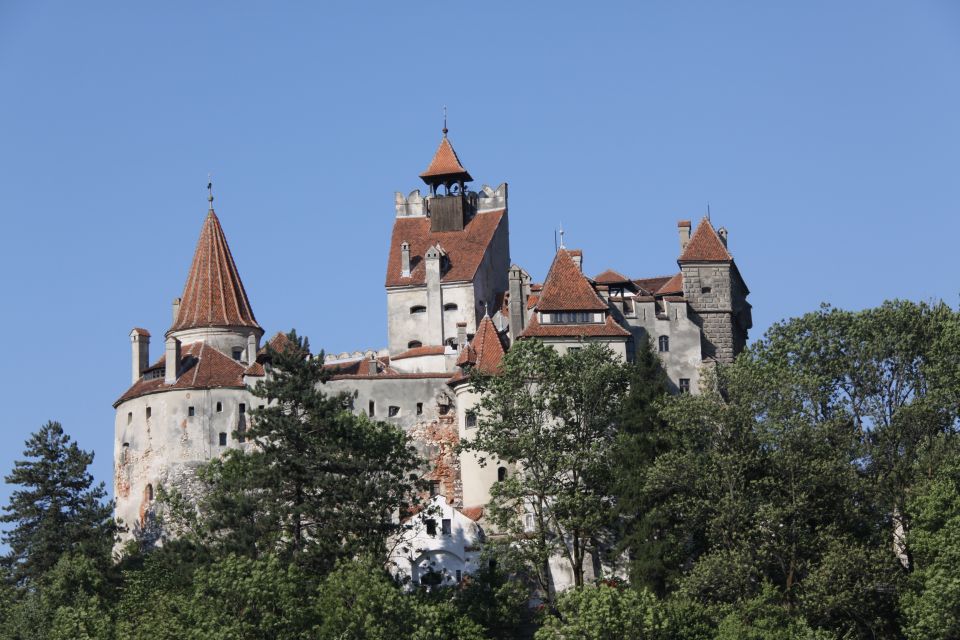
450 306
418 309
413 344
237 353
569 317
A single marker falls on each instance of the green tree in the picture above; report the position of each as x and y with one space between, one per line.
320 483
555 418
57 509
605 613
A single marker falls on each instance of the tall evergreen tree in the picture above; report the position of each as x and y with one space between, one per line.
57 509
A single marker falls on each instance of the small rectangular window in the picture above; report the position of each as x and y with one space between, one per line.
223 439
259 406
445 526
149 412
393 411
431 527
243 408
470 420
434 488
237 353
459 575
684 385
371 409
190 411
219 407
130 417
419 408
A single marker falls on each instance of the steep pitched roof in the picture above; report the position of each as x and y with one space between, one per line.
567 289
445 163
465 249
673 285
609 328
201 367
705 246
214 295
485 351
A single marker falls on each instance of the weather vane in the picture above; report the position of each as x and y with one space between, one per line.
210 190
444 120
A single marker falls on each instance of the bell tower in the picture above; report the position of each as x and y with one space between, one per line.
450 209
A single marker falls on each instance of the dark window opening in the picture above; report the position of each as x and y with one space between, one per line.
219 407
393 411
149 412
148 493
431 527
242 424
573 349
450 306
237 353
684 385
371 408
705 289
445 526
413 344
130 417
125 452
419 408
223 439
434 488
470 420
443 409
569 317
664 343
259 406
459 575
418 309
501 474
191 412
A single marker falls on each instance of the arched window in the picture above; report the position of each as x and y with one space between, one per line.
501 474
418 309
413 344
450 306
664 343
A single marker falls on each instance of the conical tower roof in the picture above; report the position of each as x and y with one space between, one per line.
214 295
445 165
705 246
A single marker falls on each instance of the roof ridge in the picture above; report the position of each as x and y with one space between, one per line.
705 245
566 288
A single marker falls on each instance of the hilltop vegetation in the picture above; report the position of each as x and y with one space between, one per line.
811 491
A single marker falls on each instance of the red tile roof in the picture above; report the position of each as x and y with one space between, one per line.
611 277
485 351
474 513
256 370
446 163
610 328
214 295
465 249
567 289
651 285
673 285
201 367
705 246
433 350
142 332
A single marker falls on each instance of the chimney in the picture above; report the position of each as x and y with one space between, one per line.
723 233
577 256
252 347
176 309
518 302
684 228
172 360
140 343
461 336
372 365
405 259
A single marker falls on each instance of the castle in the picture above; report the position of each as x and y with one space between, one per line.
455 301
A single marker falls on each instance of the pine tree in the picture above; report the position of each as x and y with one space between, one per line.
58 509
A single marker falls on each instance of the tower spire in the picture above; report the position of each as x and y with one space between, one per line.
210 191
444 121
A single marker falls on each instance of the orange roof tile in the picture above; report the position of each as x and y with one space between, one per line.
567 289
673 285
433 350
214 295
610 328
611 277
485 351
256 370
445 163
465 249
141 332
705 246
474 513
651 285
201 367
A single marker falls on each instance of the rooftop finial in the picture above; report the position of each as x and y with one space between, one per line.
486 311
562 246
444 121
210 191
708 212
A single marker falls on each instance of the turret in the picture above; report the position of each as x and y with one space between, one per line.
448 211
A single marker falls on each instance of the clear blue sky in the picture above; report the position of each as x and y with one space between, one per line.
824 135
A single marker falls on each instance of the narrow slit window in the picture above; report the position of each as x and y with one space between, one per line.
445 526
419 408
129 417
219 407
223 439
501 474
191 411
149 412
371 408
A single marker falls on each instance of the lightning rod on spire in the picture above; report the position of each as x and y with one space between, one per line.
210 190
444 120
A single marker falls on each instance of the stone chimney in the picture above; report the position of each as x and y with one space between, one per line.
461 336
405 259
176 309
518 302
683 227
577 256
434 334
723 233
372 365
172 360
140 343
252 347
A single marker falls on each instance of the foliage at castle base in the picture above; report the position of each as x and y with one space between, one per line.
812 491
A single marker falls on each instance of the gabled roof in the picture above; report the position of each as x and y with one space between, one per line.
611 277
567 289
673 285
465 249
705 246
201 367
214 295
608 328
651 285
485 351
445 163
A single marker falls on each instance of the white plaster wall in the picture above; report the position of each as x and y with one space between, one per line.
684 358
476 479
404 393
427 364
224 340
